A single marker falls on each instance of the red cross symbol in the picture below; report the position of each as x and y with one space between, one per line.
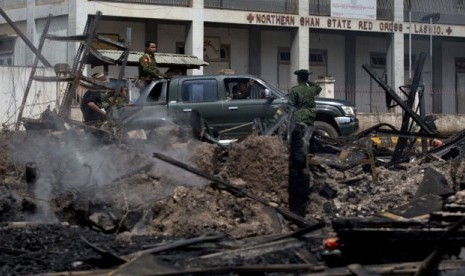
250 17
448 30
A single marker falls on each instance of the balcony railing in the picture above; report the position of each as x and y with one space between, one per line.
275 6
451 11
323 8
183 3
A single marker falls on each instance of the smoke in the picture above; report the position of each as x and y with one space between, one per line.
90 169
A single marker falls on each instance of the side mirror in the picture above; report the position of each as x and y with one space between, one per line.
267 93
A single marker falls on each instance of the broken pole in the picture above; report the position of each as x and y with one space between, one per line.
299 176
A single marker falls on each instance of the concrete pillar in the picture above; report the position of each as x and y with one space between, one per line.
327 85
195 35
77 19
255 46
300 45
437 59
350 69
395 51
31 31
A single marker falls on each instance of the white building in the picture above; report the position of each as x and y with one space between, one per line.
271 39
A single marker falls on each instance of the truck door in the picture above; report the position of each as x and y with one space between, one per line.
201 95
241 111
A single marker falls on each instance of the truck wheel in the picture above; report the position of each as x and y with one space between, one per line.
325 129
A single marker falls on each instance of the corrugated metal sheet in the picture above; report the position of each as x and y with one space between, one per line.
163 59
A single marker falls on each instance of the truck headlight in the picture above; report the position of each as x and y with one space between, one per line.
348 110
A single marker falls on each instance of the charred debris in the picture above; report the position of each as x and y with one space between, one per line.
216 215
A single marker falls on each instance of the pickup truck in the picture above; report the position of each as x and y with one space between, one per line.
163 102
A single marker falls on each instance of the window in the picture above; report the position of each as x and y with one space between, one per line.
7 45
459 6
317 57
155 94
199 91
225 51
6 59
251 89
460 65
284 56
180 48
378 60
406 62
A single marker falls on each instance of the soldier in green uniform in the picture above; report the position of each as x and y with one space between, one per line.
110 100
148 68
302 102
302 98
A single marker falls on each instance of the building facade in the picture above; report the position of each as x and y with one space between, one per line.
271 39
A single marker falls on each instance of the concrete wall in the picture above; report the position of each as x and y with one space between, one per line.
334 46
446 123
14 82
238 39
271 41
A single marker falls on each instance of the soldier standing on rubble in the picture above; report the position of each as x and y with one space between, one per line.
302 101
148 68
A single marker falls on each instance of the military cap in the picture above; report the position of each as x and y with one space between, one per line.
302 72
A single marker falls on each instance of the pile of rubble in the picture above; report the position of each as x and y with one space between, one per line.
129 199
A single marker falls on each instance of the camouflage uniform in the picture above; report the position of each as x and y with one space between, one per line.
110 101
302 97
148 68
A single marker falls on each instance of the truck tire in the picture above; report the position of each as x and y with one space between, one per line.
325 129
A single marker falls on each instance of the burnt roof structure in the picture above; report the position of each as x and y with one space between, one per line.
166 60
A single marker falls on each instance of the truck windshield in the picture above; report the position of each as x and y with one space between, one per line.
273 88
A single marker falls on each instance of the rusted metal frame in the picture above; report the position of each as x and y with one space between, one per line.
101 57
78 66
33 71
110 42
408 113
24 38
374 128
51 79
396 97
85 82
66 38
406 122
94 82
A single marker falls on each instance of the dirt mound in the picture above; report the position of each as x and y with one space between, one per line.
257 164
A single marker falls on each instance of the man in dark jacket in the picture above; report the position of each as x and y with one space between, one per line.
91 104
